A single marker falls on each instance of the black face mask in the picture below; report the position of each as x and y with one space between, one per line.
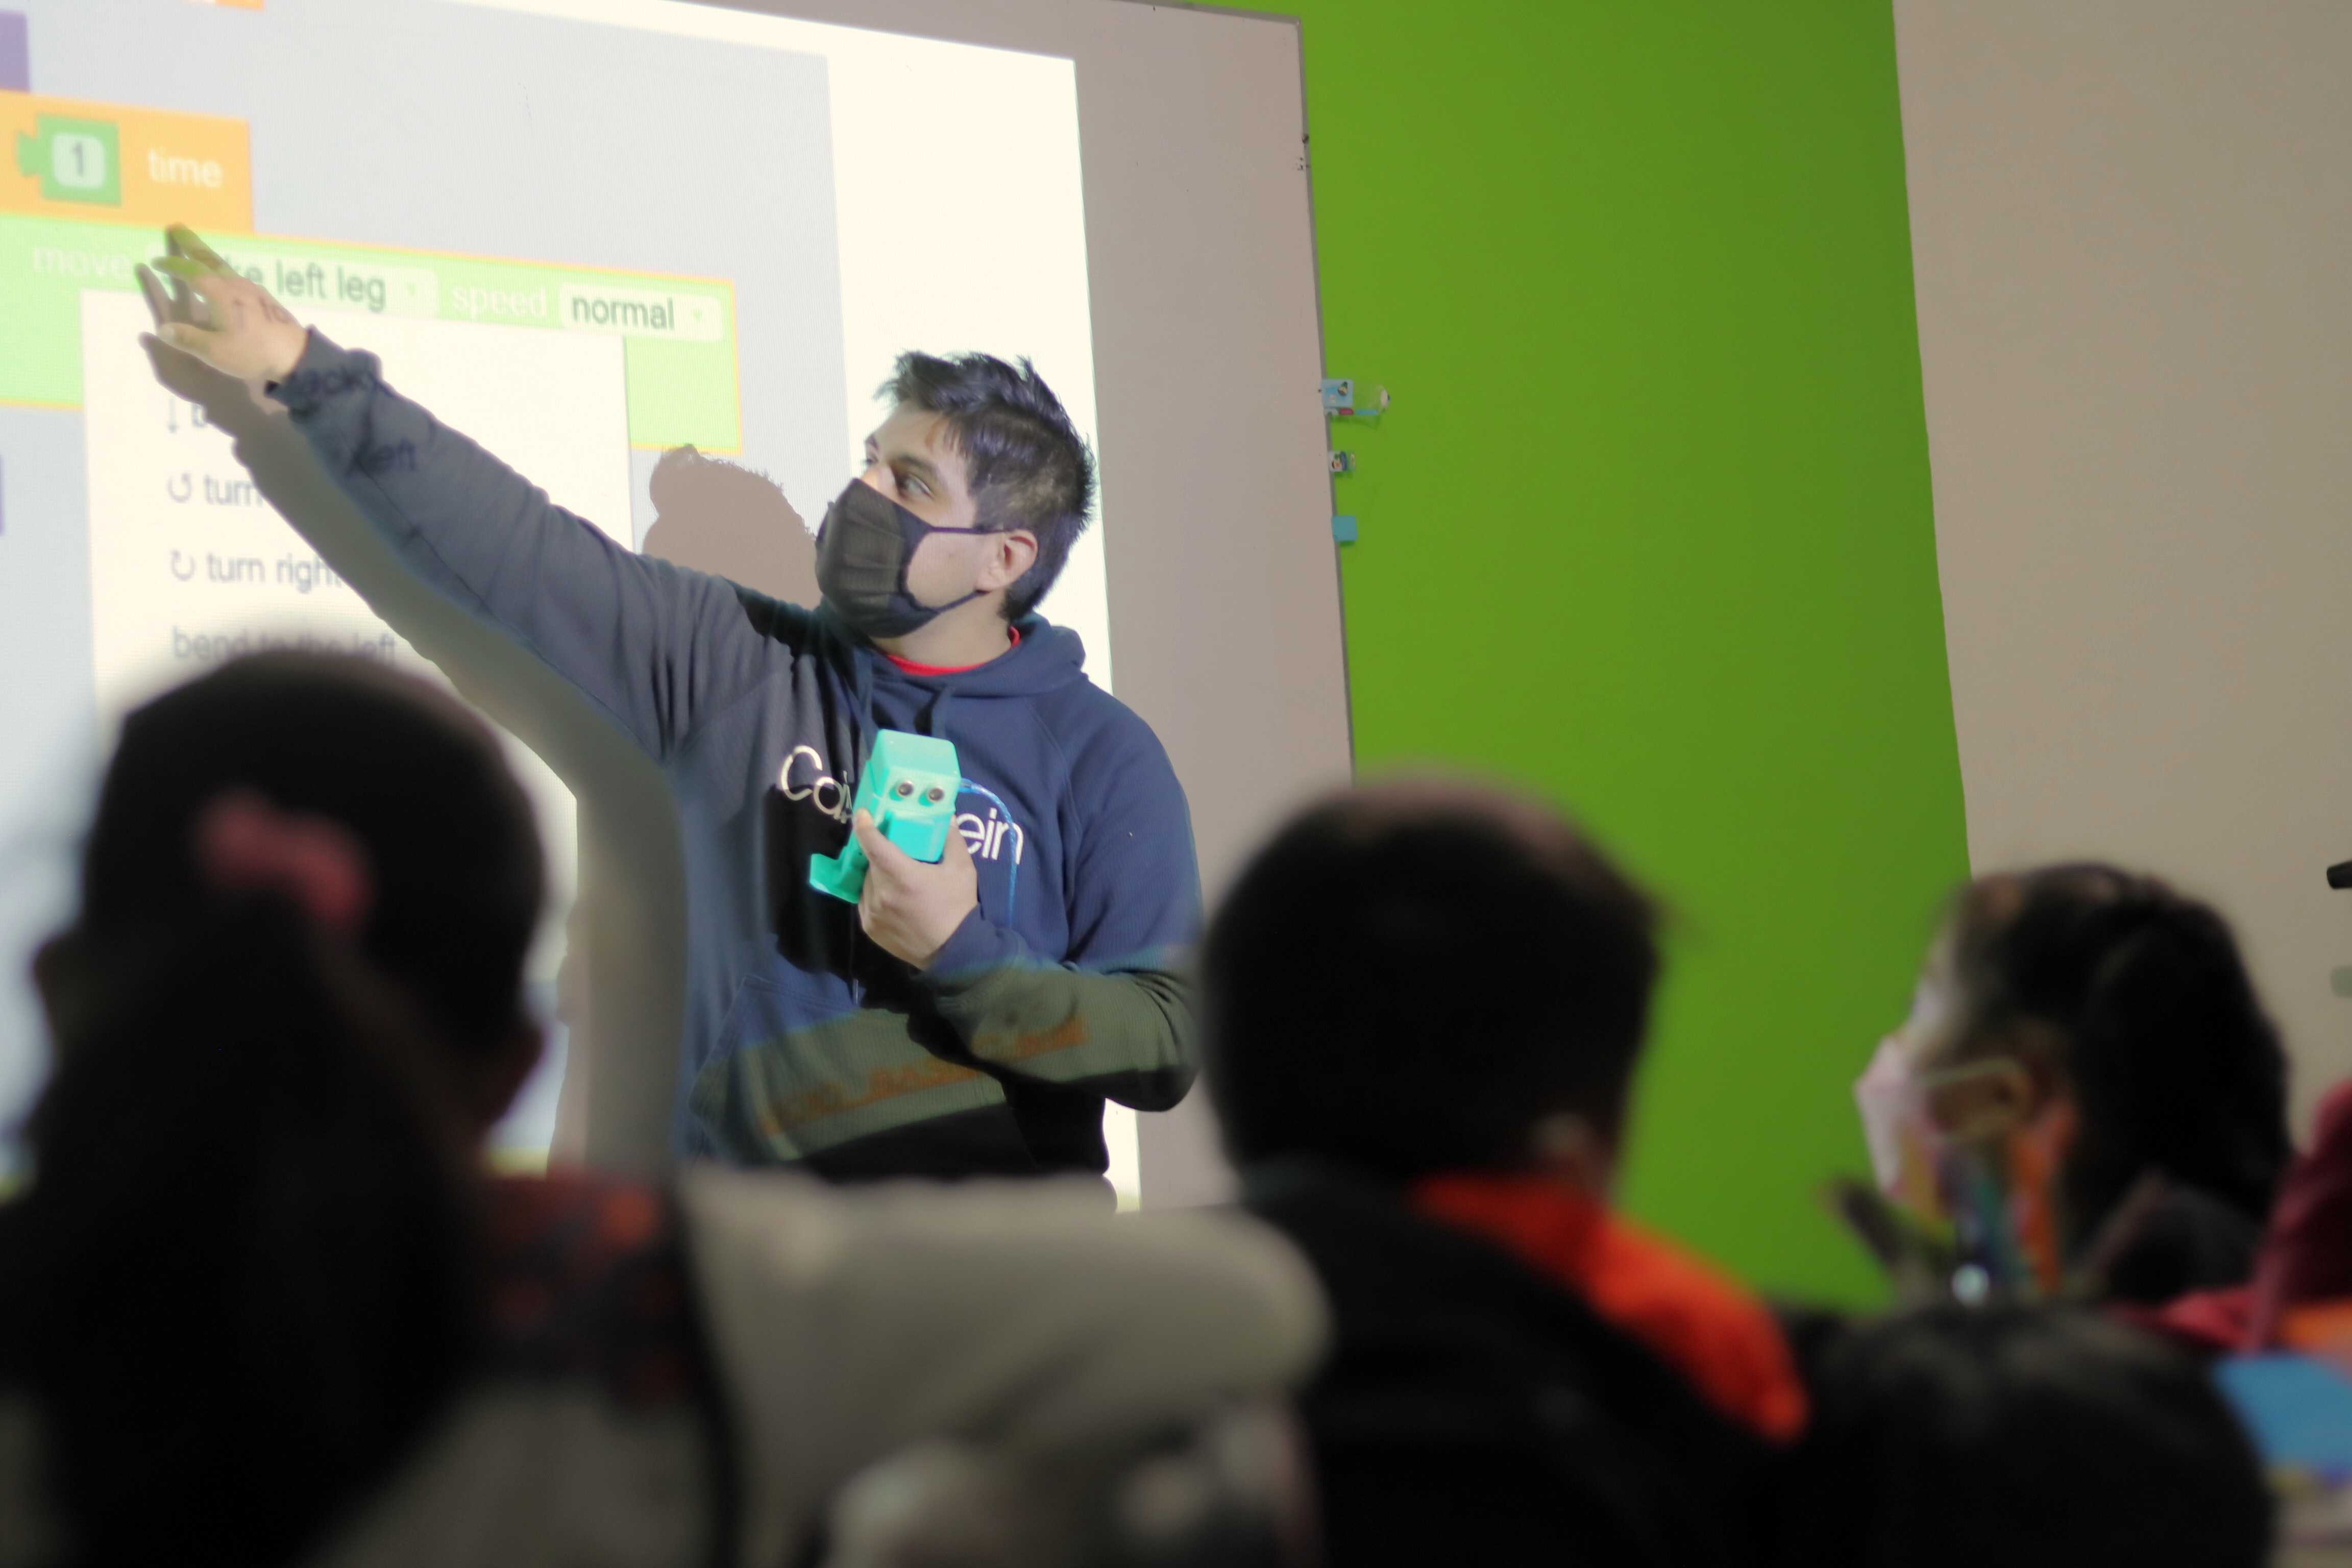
862 552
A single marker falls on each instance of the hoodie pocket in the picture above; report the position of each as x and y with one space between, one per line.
802 1069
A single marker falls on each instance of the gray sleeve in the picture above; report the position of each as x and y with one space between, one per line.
654 645
849 1325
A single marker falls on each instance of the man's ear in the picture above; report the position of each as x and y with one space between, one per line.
1010 554
506 1070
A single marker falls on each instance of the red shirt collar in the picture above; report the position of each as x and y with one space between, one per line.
1718 1336
910 667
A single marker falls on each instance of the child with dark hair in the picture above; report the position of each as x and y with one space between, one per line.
1423 1005
2087 1087
260 1299
1959 1437
965 1017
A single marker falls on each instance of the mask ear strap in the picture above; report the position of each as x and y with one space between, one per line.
943 609
907 559
908 594
2013 1077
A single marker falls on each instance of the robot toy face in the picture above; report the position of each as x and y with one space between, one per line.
915 808
909 793
909 788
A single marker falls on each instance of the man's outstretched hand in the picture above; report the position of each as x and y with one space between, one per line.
911 907
228 320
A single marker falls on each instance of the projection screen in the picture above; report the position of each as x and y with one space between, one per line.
590 232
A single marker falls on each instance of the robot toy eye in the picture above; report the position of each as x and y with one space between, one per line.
934 795
905 789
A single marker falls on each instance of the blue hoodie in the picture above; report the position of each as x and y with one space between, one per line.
804 1042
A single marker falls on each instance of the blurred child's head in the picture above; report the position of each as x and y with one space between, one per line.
414 782
2080 1029
238 1286
1421 977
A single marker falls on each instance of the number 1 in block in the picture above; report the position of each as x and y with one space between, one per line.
75 160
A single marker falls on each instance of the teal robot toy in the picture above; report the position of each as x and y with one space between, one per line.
908 788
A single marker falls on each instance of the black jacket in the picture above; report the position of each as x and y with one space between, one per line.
1473 1412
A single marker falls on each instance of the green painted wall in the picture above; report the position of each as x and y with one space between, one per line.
1649 526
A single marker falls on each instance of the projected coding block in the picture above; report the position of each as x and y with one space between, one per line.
676 336
67 158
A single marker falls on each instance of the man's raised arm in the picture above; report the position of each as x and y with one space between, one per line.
651 644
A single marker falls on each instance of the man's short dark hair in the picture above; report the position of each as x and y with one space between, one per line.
1029 467
1411 976
1957 1437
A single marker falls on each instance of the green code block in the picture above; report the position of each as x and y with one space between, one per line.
75 160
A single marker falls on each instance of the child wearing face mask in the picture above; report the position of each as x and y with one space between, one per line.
2088 1093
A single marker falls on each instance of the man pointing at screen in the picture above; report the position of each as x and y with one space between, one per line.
963 1017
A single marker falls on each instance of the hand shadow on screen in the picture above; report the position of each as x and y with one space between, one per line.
731 522
632 913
